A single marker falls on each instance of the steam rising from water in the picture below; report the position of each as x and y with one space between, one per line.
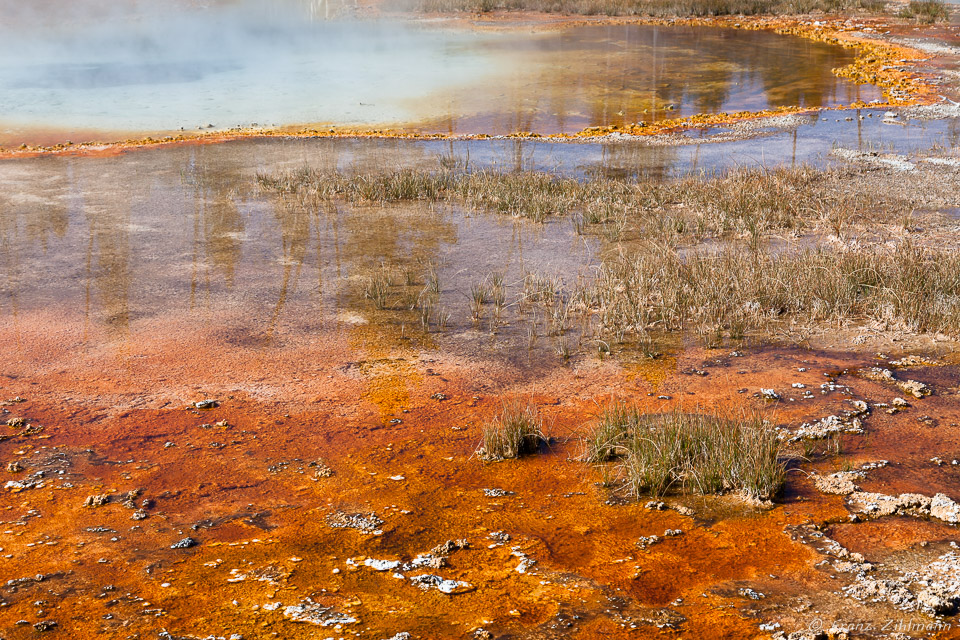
98 65
125 66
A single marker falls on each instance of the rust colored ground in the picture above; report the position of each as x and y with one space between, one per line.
115 418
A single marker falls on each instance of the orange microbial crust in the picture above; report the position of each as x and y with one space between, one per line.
302 436
884 64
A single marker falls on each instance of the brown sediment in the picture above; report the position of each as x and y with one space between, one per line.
892 67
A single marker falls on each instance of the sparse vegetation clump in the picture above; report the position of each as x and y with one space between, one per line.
531 195
644 8
377 287
738 202
738 290
654 454
926 11
516 431
690 255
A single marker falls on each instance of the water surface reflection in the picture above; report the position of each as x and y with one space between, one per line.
244 63
182 230
617 75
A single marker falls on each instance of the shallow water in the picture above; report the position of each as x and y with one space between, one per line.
122 243
95 231
119 242
249 63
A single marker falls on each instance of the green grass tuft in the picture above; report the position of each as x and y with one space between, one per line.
683 452
926 11
516 431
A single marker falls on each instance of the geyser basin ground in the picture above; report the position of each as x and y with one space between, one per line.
136 285
344 371
239 65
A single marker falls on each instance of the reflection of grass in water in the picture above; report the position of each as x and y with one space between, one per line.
406 297
706 454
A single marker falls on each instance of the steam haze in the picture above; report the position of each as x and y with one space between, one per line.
109 69
97 65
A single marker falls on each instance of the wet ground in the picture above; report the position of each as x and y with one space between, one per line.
780 140
137 285
335 450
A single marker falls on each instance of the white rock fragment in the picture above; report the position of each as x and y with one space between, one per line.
525 565
647 541
428 581
943 508
314 613
840 483
381 565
